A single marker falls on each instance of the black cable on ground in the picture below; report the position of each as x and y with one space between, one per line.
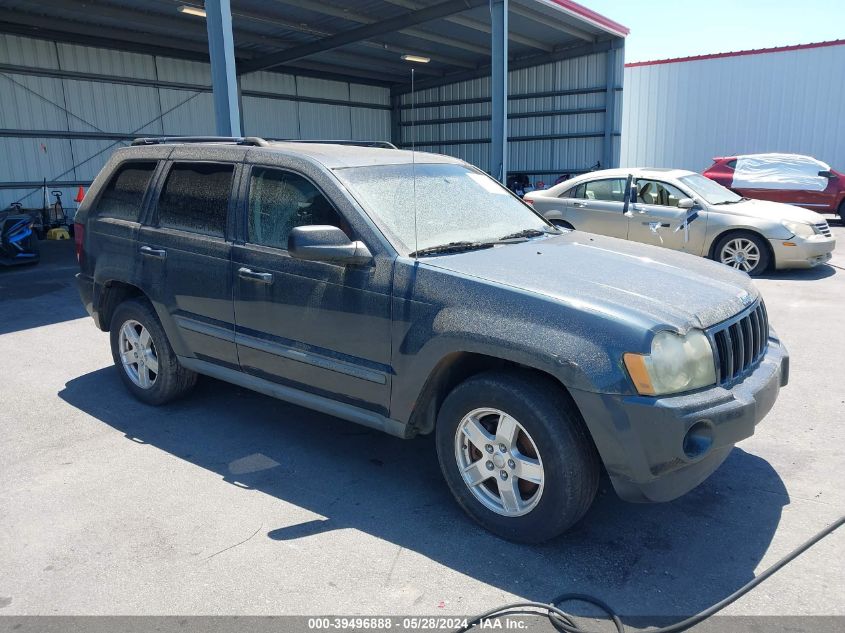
565 623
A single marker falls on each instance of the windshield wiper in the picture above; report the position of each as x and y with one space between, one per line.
451 247
731 201
525 233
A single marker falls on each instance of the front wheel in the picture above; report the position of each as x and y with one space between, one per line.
744 251
841 212
516 455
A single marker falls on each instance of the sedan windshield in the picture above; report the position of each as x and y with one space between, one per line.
711 191
454 205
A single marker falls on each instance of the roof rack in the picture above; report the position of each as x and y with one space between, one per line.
236 140
255 141
381 144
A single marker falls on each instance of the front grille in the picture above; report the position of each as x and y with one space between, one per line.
739 343
823 228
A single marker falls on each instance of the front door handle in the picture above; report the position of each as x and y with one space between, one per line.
149 251
246 273
579 204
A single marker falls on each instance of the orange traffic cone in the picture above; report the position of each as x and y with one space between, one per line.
79 195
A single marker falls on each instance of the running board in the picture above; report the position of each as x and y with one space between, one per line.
298 397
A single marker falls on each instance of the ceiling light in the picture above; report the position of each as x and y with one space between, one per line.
416 58
186 8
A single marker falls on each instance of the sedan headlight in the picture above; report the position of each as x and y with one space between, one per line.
676 363
801 229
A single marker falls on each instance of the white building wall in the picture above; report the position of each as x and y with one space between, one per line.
682 114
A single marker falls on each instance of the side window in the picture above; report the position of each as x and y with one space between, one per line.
609 190
575 192
281 200
659 193
195 198
124 194
731 163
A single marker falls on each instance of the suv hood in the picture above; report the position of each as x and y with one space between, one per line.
766 210
648 284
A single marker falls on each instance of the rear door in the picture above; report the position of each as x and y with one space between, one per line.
185 252
316 326
598 206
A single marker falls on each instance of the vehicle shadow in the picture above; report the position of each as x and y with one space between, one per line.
650 561
801 274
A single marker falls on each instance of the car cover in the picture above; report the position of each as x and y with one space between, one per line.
779 171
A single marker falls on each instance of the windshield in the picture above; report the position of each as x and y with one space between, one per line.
453 204
711 191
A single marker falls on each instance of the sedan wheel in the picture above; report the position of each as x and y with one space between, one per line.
741 253
499 462
138 354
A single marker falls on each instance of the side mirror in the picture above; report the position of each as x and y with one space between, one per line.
326 244
827 174
686 203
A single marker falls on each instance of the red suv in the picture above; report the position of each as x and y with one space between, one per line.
790 178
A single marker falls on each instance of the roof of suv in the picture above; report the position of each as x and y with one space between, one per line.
331 155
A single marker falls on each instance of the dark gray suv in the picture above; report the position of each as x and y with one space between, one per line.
414 294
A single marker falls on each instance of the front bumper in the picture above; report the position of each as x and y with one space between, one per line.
806 253
644 441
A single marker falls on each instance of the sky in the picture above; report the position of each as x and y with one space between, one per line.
680 28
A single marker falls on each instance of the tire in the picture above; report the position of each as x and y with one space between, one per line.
547 425
171 380
841 212
737 248
563 224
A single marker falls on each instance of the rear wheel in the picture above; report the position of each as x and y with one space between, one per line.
516 455
744 251
143 356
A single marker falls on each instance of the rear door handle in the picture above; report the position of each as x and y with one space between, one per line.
149 251
246 273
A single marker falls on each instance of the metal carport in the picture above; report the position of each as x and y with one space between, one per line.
309 63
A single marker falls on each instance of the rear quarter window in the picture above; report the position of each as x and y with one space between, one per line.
195 198
124 194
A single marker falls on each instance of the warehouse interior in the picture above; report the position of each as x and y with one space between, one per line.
82 78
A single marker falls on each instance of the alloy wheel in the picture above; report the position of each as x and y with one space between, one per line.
741 253
138 354
499 462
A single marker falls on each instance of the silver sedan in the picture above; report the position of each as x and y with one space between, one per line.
685 211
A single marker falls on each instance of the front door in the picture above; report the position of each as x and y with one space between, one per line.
656 219
184 256
315 326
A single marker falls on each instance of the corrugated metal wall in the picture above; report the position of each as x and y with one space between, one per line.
556 117
68 106
682 114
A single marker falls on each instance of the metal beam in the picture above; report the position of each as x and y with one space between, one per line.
524 62
511 139
224 85
499 90
511 97
440 10
512 115
344 13
610 107
554 23
476 25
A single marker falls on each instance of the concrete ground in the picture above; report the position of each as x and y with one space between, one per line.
229 502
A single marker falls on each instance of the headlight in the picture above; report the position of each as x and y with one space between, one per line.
676 363
801 229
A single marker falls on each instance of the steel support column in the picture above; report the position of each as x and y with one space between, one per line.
221 50
610 121
499 89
